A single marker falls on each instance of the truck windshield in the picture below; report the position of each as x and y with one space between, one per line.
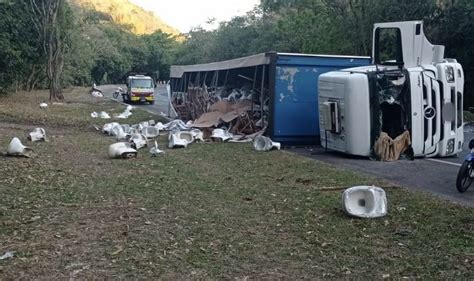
388 46
141 83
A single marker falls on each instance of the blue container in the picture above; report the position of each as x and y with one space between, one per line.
294 110
291 80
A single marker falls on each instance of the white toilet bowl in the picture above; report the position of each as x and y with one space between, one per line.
16 148
121 150
262 143
364 202
38 134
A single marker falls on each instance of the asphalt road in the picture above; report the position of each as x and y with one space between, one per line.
436 176
161 98
433 175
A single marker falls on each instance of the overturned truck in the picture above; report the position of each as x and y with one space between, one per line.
272 92
410 99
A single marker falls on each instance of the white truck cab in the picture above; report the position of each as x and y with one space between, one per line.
410 86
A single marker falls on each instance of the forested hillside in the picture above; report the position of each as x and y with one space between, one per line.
125 13
94 47
105 40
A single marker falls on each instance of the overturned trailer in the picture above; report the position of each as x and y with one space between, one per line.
278 91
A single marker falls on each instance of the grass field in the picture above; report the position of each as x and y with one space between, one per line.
210 211
468 116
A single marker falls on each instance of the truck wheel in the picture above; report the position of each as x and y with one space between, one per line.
152 102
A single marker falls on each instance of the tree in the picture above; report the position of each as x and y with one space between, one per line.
20 54
48 19
161 51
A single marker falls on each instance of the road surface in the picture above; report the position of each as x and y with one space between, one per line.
436 176
161 98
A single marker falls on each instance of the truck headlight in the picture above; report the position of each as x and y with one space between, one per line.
450 146
449 70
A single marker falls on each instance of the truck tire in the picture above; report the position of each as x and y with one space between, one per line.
464 180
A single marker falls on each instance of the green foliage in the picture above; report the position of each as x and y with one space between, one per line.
20 52
455 31
96 49
340 27
103 49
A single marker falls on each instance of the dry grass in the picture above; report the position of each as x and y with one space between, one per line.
206 212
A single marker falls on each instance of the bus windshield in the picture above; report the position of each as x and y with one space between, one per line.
142 83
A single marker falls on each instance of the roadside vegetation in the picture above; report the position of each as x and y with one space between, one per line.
103 44
468 116
212 210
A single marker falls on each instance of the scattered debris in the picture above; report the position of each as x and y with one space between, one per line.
133 131
151 132
125 127
122 150
160 126
173 125
43 105
127 113
208 119
388 149
243 111
240 139
364 202
143 125
7 255
119 133
221 134
107 128
96 93
104 115
38 134
262 143
232 118
197 134
138 141
180 139
155 151
16 148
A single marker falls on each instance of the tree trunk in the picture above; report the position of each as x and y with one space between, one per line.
45 18
31 78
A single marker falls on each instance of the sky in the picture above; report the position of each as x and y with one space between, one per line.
185 14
